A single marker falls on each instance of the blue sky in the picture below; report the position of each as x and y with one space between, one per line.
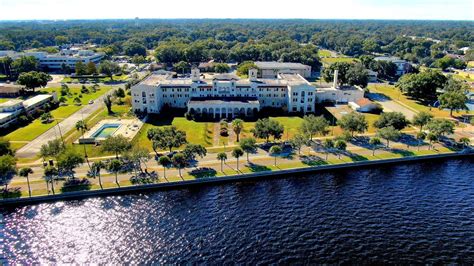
326 9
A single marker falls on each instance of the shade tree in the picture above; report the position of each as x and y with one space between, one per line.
388 133
266 128
248 145
275 150
396 120
298 141
116 144
166 138
421 119
353 123
32 80
374 143
313 125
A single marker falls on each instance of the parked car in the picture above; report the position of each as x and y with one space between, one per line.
91 102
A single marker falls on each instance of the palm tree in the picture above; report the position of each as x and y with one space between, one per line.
81 126
464 141
96 167
25 172
374 142
237 126
222 156
179 161
237 153
49 173
165 162
115 166
274 151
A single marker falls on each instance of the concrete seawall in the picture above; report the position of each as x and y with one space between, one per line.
225 179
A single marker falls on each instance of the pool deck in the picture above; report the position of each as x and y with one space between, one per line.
128 128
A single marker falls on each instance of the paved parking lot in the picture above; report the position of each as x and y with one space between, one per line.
390 105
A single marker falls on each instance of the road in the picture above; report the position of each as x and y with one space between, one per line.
32 148
390 105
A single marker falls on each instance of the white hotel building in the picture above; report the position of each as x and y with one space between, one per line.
226 95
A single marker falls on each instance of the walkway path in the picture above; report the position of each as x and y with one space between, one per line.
32 149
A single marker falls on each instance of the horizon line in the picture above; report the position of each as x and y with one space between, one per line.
223 18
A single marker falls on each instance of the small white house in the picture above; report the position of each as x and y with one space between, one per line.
364 105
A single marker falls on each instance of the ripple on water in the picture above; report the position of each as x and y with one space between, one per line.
407 214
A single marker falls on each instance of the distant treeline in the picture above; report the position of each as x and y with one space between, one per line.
241 40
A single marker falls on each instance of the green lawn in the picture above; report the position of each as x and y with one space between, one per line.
332 60
196 132
76 92
324 53
102 80
36 128
394 93
202 132
290 123
464 76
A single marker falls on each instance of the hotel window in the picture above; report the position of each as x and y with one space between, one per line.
295 94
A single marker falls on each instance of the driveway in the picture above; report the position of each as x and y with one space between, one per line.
32 148
390 105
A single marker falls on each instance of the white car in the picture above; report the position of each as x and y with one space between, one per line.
91 102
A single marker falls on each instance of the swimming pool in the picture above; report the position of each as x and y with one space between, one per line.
106 130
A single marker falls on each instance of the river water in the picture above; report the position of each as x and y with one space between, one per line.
414 213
